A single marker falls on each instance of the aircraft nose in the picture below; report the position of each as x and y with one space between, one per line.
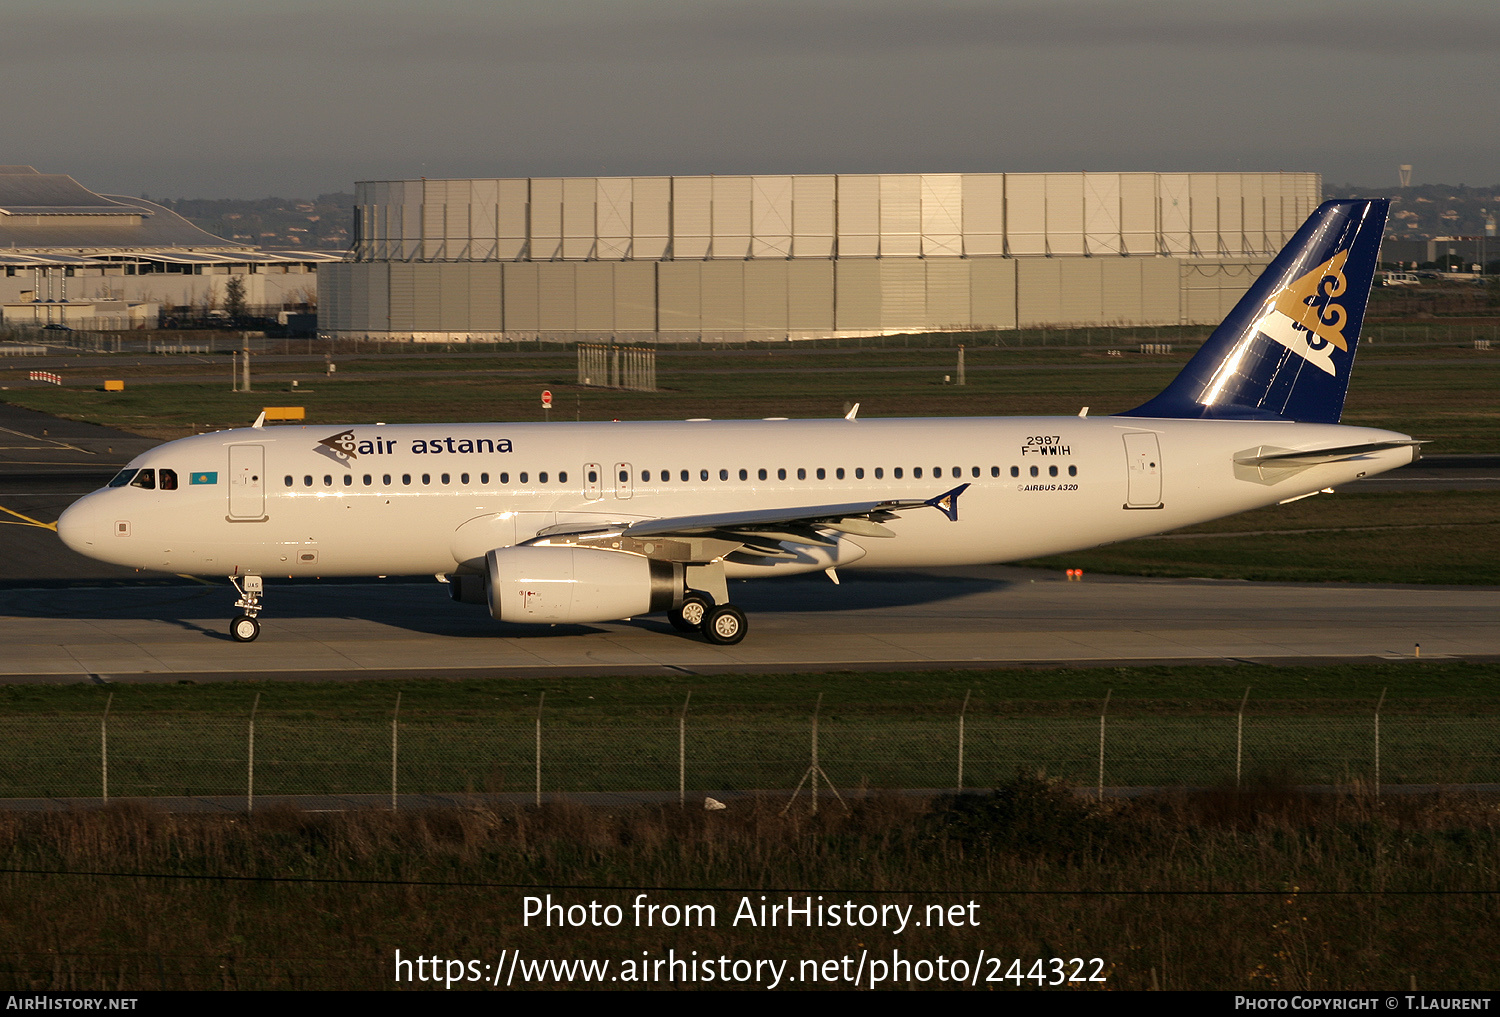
77 525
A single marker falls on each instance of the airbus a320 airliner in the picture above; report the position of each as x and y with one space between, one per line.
591 522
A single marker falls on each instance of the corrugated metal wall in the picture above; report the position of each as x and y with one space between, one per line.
792 256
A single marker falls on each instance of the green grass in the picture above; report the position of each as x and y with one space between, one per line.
1444 537
1168 726
1445 397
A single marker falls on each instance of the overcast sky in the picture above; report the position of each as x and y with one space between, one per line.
178 98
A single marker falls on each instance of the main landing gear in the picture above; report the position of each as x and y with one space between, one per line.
723 624
245 628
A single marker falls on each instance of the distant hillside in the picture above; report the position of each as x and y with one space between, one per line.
1430 210
319 224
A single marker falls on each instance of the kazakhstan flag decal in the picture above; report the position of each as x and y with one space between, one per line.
203 478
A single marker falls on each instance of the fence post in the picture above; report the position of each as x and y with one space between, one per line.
250 780
682 751
104 750
539 704
1239 738
961 711
1102 712
814 770
1378 705
395 716
815 767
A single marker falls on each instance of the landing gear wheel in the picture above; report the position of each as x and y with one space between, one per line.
244 629
689 617
724 625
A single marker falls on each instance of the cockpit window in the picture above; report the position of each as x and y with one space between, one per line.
122 478
145 479
168 480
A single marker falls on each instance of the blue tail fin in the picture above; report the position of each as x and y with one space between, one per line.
1285 351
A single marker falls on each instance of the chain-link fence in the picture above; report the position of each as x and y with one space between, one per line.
697 749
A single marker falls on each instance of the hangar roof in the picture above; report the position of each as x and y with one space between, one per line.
53 194
41 213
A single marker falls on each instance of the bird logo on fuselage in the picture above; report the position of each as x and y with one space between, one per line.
343 443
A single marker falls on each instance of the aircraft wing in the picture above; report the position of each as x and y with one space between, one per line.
799 522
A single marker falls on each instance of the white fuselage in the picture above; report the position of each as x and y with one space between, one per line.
416 499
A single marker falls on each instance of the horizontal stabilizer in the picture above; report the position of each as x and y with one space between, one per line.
1289 459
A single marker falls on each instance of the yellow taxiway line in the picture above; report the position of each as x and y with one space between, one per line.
27 520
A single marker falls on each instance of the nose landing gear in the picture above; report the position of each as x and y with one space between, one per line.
245 627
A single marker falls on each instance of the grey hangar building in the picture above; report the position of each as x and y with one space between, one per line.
777 258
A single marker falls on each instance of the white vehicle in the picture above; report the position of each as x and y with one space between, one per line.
590 522
1400 279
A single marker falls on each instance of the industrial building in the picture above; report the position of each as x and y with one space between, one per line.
71 257
712 258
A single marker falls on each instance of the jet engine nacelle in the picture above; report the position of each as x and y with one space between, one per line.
578 584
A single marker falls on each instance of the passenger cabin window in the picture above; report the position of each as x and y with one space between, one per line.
801 473
917 472
288 481
426 479
327 480
406 480
744 474
896 473
1034 471
684 476
484 478
307 480
723 474
822 475
145 479
1015 471
168 480
761 474
781 474
859 473
541 478
444 480
348 480
839 473
386 479
523 477
880 473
